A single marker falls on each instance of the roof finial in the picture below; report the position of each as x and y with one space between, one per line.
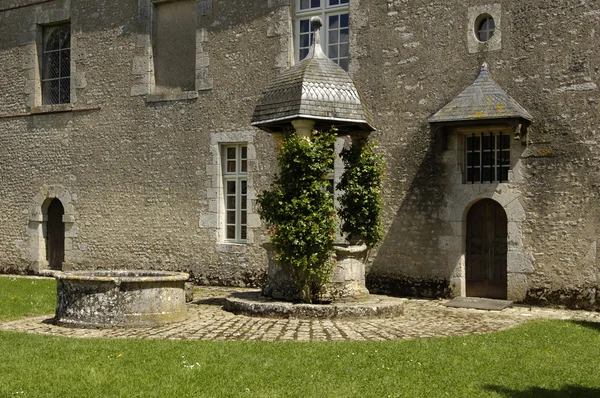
315 24
484 66
315 49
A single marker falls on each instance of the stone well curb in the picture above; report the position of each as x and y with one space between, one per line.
254 304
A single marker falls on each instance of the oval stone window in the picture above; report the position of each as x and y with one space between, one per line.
485 27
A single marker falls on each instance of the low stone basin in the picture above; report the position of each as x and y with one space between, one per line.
107 299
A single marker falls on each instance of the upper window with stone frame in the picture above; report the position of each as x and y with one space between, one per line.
334 36
174 46
56 64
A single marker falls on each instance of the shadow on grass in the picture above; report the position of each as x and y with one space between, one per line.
538 392
590 325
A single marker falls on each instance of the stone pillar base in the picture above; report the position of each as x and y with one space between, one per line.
347 279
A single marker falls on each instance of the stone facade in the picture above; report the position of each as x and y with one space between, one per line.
139 170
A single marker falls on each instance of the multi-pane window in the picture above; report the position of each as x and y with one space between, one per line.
334 35
56 64
487 157
235 184
485 28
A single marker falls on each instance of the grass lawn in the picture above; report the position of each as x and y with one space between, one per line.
22 296
540 359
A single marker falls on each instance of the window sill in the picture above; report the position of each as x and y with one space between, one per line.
54 108
179 96
50 109
232 247
483 184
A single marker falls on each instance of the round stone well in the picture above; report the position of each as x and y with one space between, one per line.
121 298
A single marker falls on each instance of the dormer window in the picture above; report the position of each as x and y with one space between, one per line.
489 119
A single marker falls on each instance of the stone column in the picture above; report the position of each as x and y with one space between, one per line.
303 127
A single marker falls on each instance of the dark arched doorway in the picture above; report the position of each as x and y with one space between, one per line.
55 235
486 250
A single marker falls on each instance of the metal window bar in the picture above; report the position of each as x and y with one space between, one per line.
472 157
499 158
488 153
492 160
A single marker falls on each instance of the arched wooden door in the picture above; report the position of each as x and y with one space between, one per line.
486 250
55 235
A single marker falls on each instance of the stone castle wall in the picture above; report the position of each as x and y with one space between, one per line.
412 60
139 170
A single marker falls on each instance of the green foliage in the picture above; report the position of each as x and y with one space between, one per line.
300 212
538 359
362 181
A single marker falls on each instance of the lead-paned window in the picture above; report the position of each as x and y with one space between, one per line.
334 34
235 185
56 64
487 158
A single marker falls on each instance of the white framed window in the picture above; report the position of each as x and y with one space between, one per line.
235 191
56 64
335 32
487 157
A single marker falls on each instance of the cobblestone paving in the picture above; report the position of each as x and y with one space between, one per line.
208 321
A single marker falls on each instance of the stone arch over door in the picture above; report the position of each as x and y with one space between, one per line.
486 250
51 207
520 259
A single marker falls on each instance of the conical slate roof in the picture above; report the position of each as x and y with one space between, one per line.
316 88
482 100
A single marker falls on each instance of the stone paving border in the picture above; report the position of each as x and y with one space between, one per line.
255 304
208 321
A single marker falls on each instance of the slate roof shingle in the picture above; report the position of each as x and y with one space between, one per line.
316 88
482 100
